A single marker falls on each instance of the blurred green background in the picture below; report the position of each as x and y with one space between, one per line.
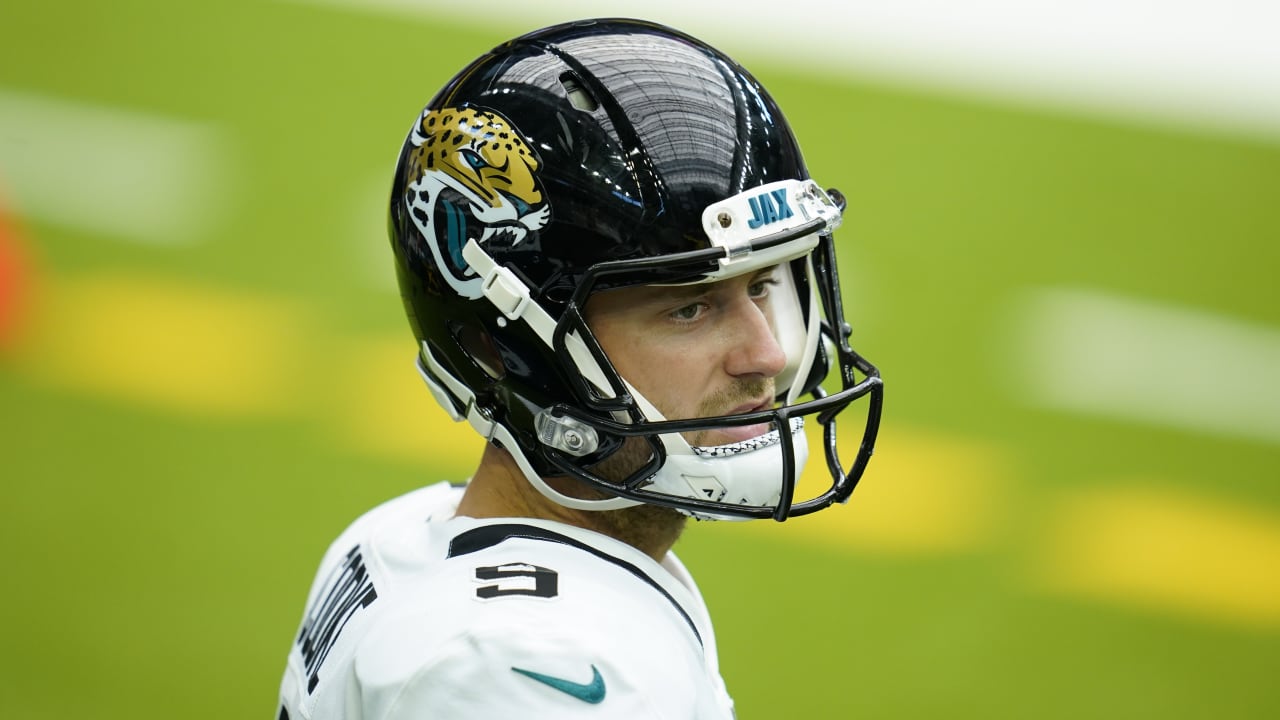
205 374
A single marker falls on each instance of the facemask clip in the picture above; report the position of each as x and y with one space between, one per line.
566 434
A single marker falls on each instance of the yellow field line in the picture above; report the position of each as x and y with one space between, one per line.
386 410
179 346
1150 546
922 493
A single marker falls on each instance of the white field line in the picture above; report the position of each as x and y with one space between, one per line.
1093 353
134 176
1190 63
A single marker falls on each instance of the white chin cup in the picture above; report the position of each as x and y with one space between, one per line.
747 473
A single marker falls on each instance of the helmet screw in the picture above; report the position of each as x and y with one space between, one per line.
572 440
724 219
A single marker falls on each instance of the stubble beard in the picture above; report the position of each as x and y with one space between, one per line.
650 525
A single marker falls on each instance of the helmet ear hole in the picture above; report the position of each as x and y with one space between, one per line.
478 346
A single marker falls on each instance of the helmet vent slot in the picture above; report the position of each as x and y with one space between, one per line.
578 96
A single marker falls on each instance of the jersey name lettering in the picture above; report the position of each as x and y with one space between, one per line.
347 589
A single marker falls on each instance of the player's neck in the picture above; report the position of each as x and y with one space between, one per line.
499 489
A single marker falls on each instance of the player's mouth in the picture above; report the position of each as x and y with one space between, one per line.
728 435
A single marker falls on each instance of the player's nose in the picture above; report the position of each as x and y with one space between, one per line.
754 349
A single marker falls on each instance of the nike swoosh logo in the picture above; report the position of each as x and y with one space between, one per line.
592 692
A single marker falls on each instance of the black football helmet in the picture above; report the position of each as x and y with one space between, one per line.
603 154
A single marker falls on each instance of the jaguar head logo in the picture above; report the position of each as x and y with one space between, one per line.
471 176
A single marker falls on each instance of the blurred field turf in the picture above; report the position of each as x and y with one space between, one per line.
159 555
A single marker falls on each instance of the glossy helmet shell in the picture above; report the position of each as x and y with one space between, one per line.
601 141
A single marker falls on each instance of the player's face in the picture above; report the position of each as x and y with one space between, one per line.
696 350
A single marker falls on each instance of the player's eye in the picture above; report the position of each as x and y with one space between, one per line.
688 313
761 288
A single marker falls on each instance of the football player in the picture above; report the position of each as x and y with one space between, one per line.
619 273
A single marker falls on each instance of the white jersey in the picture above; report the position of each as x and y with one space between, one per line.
418 614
